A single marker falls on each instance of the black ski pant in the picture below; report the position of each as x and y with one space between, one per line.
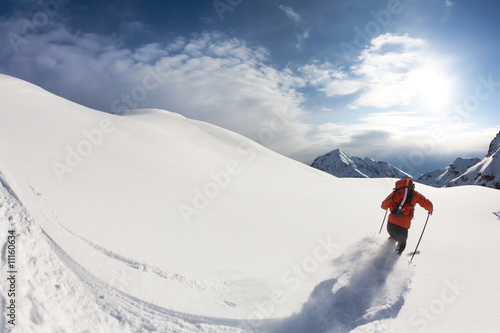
399 234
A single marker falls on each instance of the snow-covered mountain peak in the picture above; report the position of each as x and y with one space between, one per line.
341 156
441 177
472 171
341 164
494 146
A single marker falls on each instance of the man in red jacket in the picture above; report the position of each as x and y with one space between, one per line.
399 223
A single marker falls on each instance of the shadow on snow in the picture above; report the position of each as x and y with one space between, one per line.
337 305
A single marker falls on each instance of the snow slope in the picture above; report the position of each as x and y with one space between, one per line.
149 221
341 164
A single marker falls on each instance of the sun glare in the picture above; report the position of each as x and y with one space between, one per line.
433 87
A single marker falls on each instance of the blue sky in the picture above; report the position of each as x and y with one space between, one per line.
413 82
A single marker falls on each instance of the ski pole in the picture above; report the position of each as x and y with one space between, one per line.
383 221
428 215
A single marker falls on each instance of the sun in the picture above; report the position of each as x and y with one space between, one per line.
432 87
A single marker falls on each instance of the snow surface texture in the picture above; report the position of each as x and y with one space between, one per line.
341 164
473 171
149 221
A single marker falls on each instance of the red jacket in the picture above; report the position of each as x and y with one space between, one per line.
405 221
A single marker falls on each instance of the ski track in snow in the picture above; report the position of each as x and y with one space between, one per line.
52 298
138 265
369 288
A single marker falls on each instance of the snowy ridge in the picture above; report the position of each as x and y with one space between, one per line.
152 222
442 177
494 146
341 164
485 172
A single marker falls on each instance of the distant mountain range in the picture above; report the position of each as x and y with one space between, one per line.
463 171
473 171
341 164
441 177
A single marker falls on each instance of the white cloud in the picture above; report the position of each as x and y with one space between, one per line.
208 76
374 133
395 124
149 53
330 79
302 33
383 74
449 3
409 140
291 13
222 80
